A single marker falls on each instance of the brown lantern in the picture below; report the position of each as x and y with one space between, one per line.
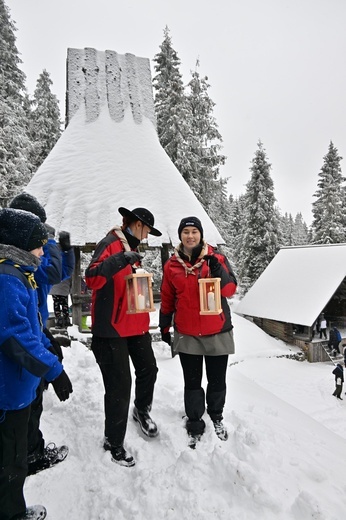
210 296
139 292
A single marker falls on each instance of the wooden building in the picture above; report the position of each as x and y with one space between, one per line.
298 285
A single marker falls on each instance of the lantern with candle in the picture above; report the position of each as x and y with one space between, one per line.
139 292
210 296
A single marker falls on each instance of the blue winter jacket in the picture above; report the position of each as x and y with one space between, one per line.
24 358
56 265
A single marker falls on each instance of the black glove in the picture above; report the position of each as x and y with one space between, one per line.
56 350
166 337
212 262
62 386
64 240
55 347
132 257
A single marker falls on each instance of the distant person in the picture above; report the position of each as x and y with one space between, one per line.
339 380
323 327
334 340
118 336
24 355
198 338
344 353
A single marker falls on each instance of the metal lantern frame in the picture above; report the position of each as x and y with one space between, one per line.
139 290
210 296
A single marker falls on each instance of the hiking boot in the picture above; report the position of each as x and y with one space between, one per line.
51 455
33 513
194 438
146 423
220 430
120 455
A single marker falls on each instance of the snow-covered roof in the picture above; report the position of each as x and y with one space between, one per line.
110 156
297 284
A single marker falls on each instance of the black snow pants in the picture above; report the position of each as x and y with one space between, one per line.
113 357
13 461
194 397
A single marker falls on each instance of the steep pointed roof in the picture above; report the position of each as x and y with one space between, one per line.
110 156
297 284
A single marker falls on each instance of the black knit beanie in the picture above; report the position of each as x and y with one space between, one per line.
190 221
21 229
29 203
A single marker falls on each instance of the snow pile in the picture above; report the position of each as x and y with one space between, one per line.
283 459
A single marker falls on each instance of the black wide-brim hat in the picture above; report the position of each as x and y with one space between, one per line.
144 215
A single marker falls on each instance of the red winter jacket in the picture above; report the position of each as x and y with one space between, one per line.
106 277
180 296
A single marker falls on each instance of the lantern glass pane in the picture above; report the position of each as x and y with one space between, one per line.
210 288
131 295
143 293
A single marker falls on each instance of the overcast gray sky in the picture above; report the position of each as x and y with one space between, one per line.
276 68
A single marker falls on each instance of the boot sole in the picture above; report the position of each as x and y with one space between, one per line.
124 463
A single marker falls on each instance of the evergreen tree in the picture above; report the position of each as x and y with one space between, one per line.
219 212
172 110
45 120
260 239
15 146
328 226
236 224
205 145
287 230
300 231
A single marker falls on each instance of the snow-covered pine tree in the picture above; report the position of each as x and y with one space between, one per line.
260 239
236 220
219 211
45 125
287 229
15 146
328 226
205 145
300 231
172 110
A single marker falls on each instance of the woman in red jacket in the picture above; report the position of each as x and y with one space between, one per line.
198 336
118 335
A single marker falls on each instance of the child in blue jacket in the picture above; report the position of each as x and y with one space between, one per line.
57 263
24 354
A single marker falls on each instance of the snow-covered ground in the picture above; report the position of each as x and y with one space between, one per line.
284 458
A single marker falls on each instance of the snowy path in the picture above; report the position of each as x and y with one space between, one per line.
283 459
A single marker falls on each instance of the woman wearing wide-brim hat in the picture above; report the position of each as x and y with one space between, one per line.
119 336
